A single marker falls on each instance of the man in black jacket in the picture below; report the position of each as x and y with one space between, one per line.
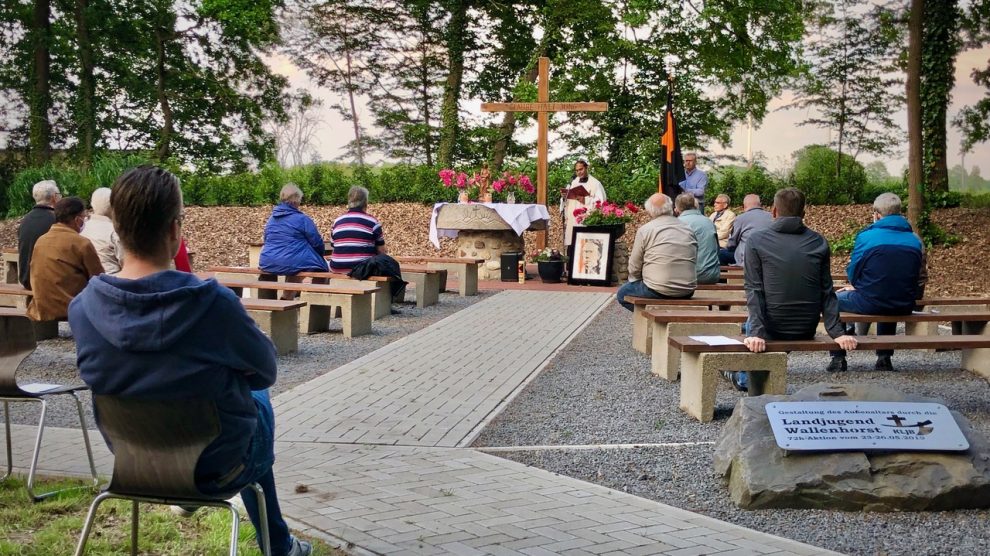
788 281
34 225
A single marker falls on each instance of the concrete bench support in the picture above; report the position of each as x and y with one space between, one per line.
467 276
381 300
427 286
642 329
977 361
666 362
281 326
354 309
700 378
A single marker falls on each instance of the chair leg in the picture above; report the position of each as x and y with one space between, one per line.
234 529
34 457
10 454
88 525
85 432
266 541
134 527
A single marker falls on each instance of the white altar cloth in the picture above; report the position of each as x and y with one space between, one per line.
517 216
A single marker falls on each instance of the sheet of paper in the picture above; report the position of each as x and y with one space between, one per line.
38 387
716 340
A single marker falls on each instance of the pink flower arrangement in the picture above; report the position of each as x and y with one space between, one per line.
605 214
513 182
450 178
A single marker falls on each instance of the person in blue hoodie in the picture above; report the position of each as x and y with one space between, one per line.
884 272
155 333
292 242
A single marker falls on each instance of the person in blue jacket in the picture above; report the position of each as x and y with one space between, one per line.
292 242
159 334
884 273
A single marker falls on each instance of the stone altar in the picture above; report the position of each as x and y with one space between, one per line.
482 230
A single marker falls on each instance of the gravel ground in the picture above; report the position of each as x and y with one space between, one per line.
600 391
55 360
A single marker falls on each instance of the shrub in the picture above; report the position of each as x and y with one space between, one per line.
72 179
814 173
737 182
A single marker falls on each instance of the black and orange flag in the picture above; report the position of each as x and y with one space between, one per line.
671 163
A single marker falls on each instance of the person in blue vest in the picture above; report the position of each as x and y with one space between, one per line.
884 273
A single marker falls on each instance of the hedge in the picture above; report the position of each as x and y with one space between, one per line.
327 183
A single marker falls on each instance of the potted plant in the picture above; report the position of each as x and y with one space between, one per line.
550 263
608 216
510 183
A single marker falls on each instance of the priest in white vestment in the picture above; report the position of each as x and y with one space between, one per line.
595 193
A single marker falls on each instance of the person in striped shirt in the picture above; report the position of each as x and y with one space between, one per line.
356 235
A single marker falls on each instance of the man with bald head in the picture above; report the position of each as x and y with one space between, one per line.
663 257
752 219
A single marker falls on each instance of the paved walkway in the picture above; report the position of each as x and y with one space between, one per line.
374 453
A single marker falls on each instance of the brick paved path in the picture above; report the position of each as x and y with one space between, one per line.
378 446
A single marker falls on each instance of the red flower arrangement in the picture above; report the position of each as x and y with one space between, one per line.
606 214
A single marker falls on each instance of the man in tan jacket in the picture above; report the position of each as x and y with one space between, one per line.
722 216
663 256
62 263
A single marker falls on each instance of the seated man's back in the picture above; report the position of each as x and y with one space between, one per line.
357 236
62 263
156 333
174 336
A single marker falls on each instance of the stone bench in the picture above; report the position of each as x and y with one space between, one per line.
381 301
642 331
323 302
428 282
466 269
665 362
277 318
701 364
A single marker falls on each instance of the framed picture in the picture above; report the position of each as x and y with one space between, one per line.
591 263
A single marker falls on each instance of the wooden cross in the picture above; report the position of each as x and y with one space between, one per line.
543 107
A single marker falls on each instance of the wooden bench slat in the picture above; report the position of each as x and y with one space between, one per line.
725 316
271 304
865 343
456 260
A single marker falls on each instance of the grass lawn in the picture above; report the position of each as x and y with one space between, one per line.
53 526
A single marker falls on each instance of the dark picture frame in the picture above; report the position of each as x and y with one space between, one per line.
591 263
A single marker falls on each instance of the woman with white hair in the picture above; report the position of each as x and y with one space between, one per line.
99 230
292 242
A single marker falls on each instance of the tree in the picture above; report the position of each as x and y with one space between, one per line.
941 42
852 68
294 139
333 40
913 95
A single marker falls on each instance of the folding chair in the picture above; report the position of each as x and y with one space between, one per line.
156 445
16 343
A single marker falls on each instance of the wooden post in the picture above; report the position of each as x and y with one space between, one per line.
543 107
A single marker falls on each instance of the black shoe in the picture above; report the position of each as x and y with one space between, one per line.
837 365
396 312
884 364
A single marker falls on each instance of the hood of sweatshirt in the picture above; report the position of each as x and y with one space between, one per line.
150 314
893 222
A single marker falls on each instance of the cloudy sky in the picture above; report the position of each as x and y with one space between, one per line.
774 140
